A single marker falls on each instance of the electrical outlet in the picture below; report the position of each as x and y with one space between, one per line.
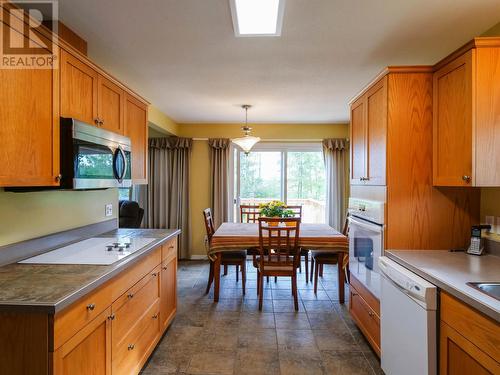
109 209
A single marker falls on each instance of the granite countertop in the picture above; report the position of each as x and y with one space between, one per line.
450 271
50 288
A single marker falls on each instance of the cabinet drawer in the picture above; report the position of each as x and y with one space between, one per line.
169 249
366 318
72 319
132 352
130 306
127 278
475 327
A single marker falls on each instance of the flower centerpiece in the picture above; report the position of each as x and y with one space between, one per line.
274 209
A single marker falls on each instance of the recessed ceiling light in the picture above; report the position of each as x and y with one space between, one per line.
257 17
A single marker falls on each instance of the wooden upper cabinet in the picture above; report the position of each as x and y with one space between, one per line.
29 124
368 136
79 86
136 128
358 142
466 123
110 105
453 123
376 109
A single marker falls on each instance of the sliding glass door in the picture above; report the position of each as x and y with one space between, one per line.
293 173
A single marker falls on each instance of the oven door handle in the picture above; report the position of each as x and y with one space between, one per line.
372 227
120 176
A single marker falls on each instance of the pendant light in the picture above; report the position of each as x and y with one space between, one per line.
247 141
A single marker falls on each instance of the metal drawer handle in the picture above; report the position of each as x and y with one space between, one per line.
164 267
370 313
131 347
154 274
155 316
130 295
91 306
466 178
111 317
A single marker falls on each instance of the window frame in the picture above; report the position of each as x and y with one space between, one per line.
283 148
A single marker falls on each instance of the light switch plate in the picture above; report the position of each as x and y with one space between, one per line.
109 209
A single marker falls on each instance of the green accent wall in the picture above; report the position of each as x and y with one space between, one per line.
29 215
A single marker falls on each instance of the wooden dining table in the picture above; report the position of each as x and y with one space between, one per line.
240 236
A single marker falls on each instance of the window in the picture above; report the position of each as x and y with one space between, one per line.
293 173
124 193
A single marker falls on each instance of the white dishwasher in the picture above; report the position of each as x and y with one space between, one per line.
408 313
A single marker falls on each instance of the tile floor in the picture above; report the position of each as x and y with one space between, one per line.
233 337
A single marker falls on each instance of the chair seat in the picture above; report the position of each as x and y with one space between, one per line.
324 256
234 255
274 265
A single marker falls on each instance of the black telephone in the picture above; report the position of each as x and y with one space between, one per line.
476 242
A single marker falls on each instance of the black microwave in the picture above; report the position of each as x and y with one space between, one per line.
93 158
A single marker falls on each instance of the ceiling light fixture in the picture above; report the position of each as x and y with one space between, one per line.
247 141
257 17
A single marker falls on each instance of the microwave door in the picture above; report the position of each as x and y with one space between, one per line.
93 166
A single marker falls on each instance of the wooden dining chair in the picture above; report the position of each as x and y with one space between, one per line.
279 253
320 258
233 258
249 213
297 211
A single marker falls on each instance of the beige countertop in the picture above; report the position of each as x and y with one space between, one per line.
450 271
51 287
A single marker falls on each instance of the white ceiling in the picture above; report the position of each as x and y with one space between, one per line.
183 56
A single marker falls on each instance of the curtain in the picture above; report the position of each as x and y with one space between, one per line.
335 156
219 176
166 197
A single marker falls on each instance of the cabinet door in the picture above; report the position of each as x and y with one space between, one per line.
29 124
452 123
89 351
487 115
358 142
136 128
78 89
458 356
376 132
110 106
168 292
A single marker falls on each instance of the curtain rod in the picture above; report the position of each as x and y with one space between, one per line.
277 140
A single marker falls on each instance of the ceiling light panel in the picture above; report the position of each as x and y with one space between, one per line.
257 17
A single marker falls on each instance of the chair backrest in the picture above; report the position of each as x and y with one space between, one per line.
209 223
279 243
130 214
297 210
249 213
345 229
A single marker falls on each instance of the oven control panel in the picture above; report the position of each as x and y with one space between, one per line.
373 211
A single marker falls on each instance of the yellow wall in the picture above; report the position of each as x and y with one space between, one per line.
494 31
199 191
28 215
265 131
161 122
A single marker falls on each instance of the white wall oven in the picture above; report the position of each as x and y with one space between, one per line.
366 241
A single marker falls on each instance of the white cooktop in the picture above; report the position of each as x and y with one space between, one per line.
97 251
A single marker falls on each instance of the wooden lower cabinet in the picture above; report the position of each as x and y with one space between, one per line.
469 341
89 351
168 304
112 330
365 311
